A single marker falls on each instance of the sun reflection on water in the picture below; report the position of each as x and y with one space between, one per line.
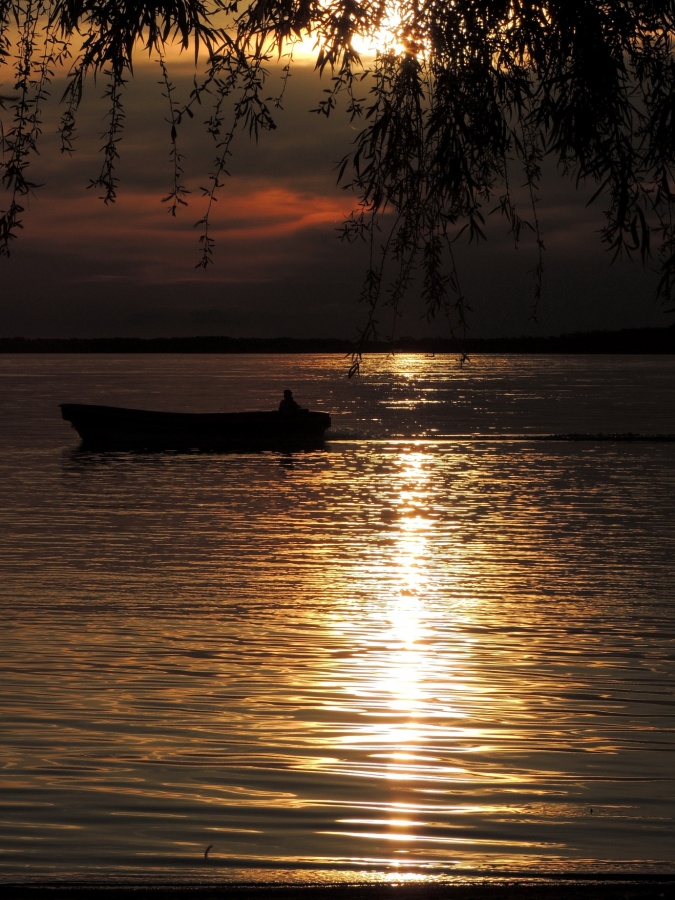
441 690
395 696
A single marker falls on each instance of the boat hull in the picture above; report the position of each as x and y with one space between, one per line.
117 428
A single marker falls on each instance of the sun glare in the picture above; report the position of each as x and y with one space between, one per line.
386 38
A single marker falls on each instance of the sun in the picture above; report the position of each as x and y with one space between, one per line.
386 37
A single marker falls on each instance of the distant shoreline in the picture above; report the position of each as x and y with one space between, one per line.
626 341
598 888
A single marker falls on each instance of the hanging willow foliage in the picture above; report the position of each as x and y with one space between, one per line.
470 98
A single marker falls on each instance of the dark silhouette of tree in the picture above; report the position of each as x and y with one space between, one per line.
467 102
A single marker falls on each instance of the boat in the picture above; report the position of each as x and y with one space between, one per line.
118 428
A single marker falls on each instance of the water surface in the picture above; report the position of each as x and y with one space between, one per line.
437 647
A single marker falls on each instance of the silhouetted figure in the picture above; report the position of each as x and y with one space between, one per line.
288 404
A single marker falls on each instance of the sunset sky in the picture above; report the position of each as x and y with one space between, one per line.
82 269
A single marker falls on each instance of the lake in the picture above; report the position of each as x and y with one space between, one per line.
438 648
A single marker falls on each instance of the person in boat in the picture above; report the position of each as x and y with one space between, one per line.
288 404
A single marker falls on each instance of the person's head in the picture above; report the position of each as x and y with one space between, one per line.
288 394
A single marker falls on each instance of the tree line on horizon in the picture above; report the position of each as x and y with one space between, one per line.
627 340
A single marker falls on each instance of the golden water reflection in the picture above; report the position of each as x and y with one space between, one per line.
412 699
462 697
398 660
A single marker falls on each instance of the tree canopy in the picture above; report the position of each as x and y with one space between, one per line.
459 107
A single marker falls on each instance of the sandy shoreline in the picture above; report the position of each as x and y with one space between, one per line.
656 887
